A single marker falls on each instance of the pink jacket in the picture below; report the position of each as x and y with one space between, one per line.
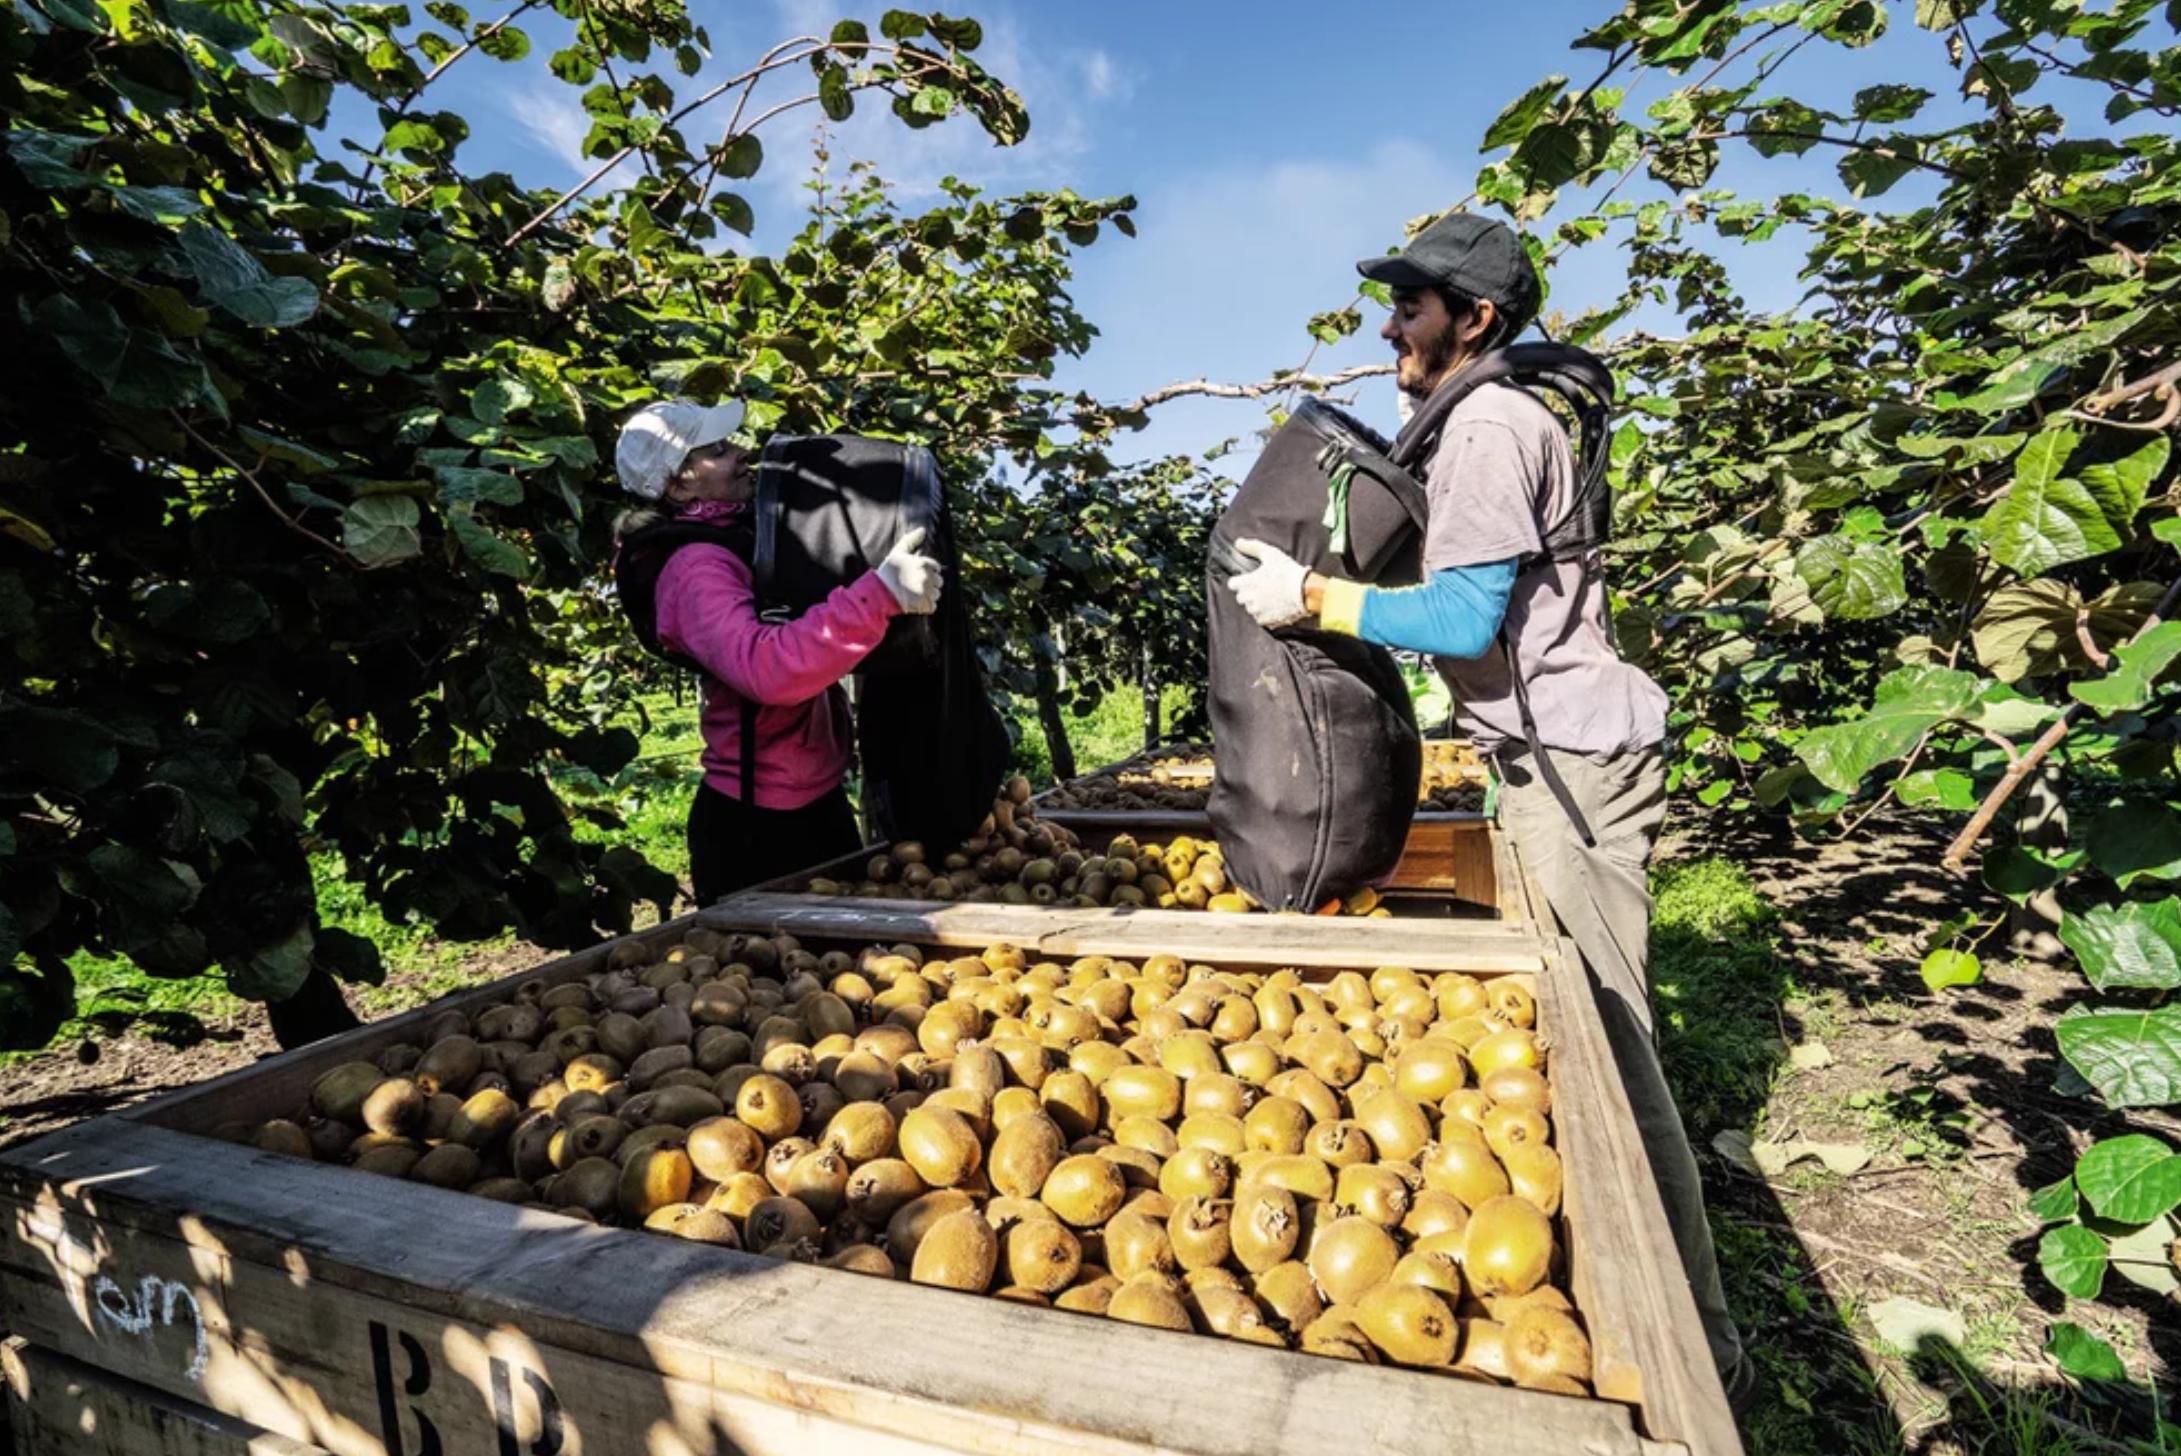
708 612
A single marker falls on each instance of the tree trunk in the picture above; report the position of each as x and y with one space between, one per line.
2040 824
1049 718
1153 729
316 1011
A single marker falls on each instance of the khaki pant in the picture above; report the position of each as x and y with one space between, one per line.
1602 901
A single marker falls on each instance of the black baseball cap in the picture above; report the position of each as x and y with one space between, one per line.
1473 255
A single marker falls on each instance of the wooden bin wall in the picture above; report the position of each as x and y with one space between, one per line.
369 1317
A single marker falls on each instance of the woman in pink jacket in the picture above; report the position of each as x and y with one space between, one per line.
688 462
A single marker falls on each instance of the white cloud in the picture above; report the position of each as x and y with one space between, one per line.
552 116
1107 78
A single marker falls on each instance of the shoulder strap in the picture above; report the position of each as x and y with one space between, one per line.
641 558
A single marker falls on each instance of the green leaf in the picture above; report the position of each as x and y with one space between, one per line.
497 398
2144 1256
2121 485
2132 679
234 280
1945 14
2018 874
273 972
1889 103
48 158
733 210
380 530
487 549
505 44
136 366
1873 172
158 204
1909 702
349 956
2132 841
221 611
2136 943
2131 1179
1852 581
1945 788
851 32
57 747
2133 1058
575 65
2055 1201
2082 1355
2073 1258
901 25
742 156
1945 967
834 96
466 483
1513 124
139 895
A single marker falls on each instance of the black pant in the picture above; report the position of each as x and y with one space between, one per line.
733 845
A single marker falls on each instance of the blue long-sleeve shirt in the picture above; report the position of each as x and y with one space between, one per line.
1455 613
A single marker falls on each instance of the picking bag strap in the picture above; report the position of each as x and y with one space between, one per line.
1545 768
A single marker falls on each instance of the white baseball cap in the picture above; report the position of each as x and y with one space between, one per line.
659 437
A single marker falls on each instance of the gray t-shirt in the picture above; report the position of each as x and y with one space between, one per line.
1501 474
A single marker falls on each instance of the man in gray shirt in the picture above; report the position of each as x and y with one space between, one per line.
1495 601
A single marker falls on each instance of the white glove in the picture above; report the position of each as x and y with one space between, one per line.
1273 593
914 578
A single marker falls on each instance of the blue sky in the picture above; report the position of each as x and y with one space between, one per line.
1270 145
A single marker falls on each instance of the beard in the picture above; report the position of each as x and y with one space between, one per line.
1419 370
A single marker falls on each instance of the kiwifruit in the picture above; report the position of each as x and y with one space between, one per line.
1507 1247
1533 1173
683 1106
1142 1092
720 1147
394 1160
341 1093
1014 1104
1139 1168
769 1105
485 1119
1408 1322
1218 1310
1329 1055
502 1190
395 1105
1518 1087
1504 1307
591 1072
913 1219
860 1132
862 1076
1265 1226
1042 1254
1084 1190
1137 1244
1481 1345
1200 1232
1297 1085
1289 1292
1339 1144
1072 1102
708 1226
1508 1128
1190 1055
1197 1171
1514 1047
819 1178
1441 1272
1336 1334
959 1251
1465 1169
282 1136
877 1188
329 1139
663 1220
780 1220
861 1259
974 1106
1299 1173
592 1184
621 1037
1372 1191
1088 1296
1276 1125
1149 1299
739 1194
780 1157
653 1178
1398 1128
1462 1112
1432 1211
1219 1131
1349 1255
1147 1133
940 1145
450 1165
448 1065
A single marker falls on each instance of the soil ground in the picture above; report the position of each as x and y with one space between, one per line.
1791 1009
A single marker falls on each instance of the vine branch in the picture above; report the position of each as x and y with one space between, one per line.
263 494
1255 391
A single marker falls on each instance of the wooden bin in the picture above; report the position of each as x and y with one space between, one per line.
174 1293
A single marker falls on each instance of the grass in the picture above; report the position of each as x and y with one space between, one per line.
1112 731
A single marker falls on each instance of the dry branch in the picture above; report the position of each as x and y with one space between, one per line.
1255 391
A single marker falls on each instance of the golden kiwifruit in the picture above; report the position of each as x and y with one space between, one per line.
709 1226
1265 1226
959 1251
663 1220
393 1160
825 1014
1372 1191
1276 1125
1084 1190
1330 1056
395 1105
914 1219
819 1178
1462 1114
1298 1085
1290 1293
1013 1104
769 1105
727 1086
449 1065
941 1145
1441 1272
502 1190
780 1157
978 1068
1141 1092
864 1077
592 1184
1504 1307
1349 1255
1088 1296
1042 1254
1465 1169
1218 1092
1196 1172
1512 1002
283 1136
1147 1133
1299 1173
643 1139
450 1165
654 1178
1200 1232
1137 1244
1149 1202
1509 1128
1339 1144
1428 1069
973 1105
1408 1322
739 1194
1217 1310
591 1072
485 1120
341 1093
780 1220
1219 1131
877 1188
1071 1101
861 1132
1514 1047
1507 1247
1190 1055
621 1037
861 1259
721 1147
1336 1335
1096 1060
1481 1346
1149 1299
1140 1168
1433 1211
1533 1173
1397 1125
598 1136
1518 1087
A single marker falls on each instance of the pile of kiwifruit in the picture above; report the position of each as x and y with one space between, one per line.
1454 779
1176 780
1362 1168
